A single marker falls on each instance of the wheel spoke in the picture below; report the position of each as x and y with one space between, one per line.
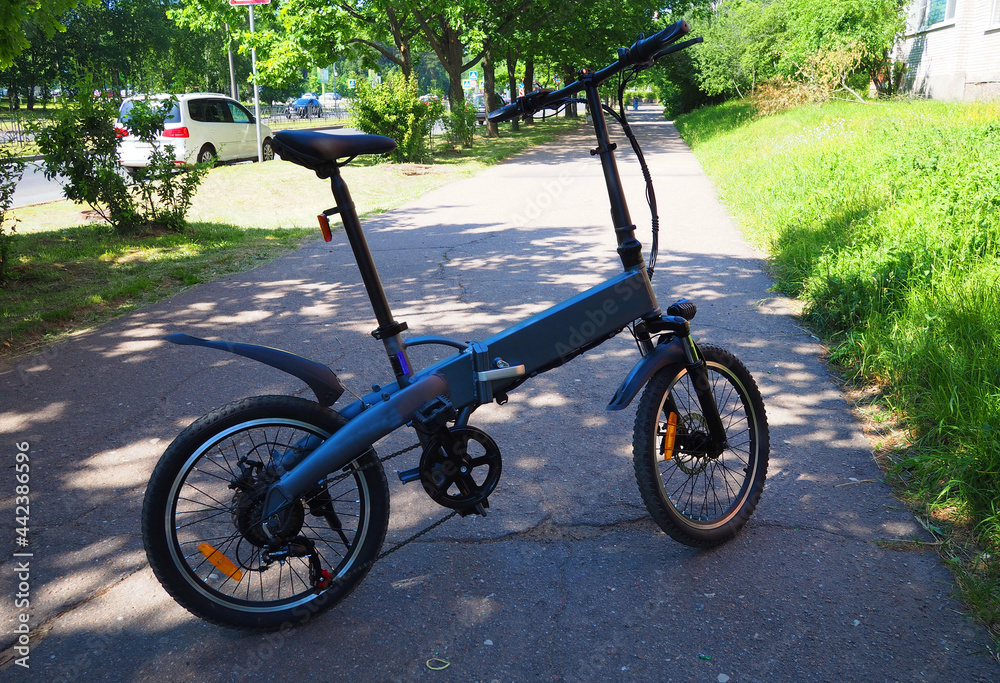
194 499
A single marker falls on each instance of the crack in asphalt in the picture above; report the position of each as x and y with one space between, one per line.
547 531
446 256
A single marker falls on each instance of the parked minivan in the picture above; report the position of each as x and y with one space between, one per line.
200 127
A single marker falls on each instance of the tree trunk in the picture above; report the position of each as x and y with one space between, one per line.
512 83
490 86
401 43
406 60
529 80
568 78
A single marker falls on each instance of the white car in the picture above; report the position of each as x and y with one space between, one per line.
200 127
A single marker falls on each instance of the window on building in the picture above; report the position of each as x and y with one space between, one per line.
995 21
940 10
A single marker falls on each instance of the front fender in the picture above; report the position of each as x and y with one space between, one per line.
321 379
671 353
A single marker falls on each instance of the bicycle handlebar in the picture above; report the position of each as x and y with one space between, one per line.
643 51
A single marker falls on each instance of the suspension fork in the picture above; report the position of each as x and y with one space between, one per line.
698 372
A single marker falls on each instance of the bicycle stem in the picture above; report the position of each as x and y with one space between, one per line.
629 249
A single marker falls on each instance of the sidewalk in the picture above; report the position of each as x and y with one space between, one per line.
567 578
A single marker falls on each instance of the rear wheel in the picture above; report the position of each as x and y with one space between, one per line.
202 524
207 155
699 499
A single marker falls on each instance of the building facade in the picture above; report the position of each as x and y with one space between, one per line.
952 49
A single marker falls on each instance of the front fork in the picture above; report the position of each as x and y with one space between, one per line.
697 371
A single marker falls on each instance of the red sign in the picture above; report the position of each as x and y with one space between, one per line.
249 2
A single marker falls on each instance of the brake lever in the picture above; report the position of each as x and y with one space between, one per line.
677 47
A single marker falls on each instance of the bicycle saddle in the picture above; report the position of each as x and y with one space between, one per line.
319 151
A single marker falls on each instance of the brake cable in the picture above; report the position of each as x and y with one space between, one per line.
647 176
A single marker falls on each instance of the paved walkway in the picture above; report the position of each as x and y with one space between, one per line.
567 578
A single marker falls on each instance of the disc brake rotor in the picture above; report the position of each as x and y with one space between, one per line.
692 439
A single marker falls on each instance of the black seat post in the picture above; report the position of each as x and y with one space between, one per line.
388 330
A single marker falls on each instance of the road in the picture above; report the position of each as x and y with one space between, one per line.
567 579
34 188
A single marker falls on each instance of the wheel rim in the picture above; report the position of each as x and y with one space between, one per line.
206 156
707 491
204 509
268 152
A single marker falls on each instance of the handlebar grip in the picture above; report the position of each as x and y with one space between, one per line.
508 112
643 50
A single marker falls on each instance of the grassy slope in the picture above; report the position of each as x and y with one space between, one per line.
69 274
885 220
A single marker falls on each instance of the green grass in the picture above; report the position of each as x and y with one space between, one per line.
885 220
70 274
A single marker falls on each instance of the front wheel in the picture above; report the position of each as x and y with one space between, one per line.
204 534
699 499
267 150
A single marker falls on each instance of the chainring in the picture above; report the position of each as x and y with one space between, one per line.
457 476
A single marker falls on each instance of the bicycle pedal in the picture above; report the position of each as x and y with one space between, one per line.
406 476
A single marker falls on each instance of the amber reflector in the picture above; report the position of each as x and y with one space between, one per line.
221 562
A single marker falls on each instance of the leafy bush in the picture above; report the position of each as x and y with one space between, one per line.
81 145
393 109
821 77
793 48
11 168
162 191
461 125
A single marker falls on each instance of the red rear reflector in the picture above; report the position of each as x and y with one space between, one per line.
181 132
324 226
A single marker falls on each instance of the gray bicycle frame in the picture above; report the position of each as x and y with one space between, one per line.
480 371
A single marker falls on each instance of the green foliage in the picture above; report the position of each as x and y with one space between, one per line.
675 83
802 50
742 46
461 124
80 145
825 25
17 17
886 222
11 168
392 108
163 192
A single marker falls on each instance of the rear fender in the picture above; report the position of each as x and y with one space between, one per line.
321 379
671 353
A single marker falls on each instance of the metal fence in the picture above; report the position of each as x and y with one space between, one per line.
278 115
13 130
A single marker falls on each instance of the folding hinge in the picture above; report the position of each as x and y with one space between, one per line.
390 330
601 150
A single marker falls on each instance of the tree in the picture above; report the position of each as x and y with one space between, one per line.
18 17
743 46
872 26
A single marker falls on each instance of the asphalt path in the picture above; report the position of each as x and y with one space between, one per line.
567 578
35 188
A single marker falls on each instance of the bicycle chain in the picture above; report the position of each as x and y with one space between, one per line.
419 533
